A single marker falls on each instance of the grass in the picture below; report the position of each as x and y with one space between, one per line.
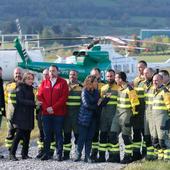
155 165
154 58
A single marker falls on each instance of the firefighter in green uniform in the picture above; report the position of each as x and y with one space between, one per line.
73 107
148 92
2 101
161 118
138 120
95 144
109 103
10 101
127 101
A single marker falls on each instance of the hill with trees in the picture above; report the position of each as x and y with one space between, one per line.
75 17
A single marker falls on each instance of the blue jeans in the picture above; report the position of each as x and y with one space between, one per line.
85 138
53 124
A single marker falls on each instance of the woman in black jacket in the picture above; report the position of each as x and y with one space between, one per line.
87 117
23 118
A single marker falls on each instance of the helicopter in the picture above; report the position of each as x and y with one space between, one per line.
100 53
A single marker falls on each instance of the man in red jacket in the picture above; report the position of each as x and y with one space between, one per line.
53 94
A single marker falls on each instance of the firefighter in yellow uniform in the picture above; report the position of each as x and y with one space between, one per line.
127 101
161 118
10 101
108 103
95 143
138 120
73 107
166 78
149 93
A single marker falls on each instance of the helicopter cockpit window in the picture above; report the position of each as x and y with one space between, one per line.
80 60
75 53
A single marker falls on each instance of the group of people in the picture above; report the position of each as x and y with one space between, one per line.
94 112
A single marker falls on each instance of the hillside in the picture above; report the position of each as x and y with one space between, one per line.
87 16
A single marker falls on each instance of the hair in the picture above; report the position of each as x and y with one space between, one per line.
74 71
122 75
96 69
164 72
89 79
159 76
143 62
54 66
110 70
0 68
25 76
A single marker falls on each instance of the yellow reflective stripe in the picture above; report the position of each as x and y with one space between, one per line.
149 94
95 145
102 149
141 96
139 89
8 141
166 157
111 103
73 103
12 101
167 151
160 108
150 153
128 146
114 149
112 145
124 106
123 99
158 101
113 97
148 102
12 95
102 145
74 97
52 147
128 151
68 145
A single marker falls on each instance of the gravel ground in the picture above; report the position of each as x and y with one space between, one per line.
34 164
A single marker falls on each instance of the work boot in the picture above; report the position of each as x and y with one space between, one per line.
45 157
66 155
101 157
13 158
78 157
59 158
1 156
114 158
127 159
40 153
94 154
136 155
87 160
26 157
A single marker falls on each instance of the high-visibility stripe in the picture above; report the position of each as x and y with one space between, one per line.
111 103
124 106
148 102
95 145
113 97
158 101
74 97
73 103
123 99
160 108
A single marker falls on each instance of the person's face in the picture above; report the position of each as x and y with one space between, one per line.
118 79
95 84
147 74
29 80
157 81
95 73
110 77
53 72
141 68
45 74
165 78
17 75
73 76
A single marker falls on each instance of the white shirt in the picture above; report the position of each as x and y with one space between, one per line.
53 81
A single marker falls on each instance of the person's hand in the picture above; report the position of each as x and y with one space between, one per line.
108 94
39 103
50 110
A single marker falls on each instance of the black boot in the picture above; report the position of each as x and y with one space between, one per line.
136 155
101 157
78 157
114 158
13 157
94 154
66 155
1 156
40 153
127 159
45 157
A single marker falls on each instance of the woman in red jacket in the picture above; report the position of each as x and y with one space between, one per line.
53 94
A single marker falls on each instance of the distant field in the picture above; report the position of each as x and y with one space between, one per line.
156 58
